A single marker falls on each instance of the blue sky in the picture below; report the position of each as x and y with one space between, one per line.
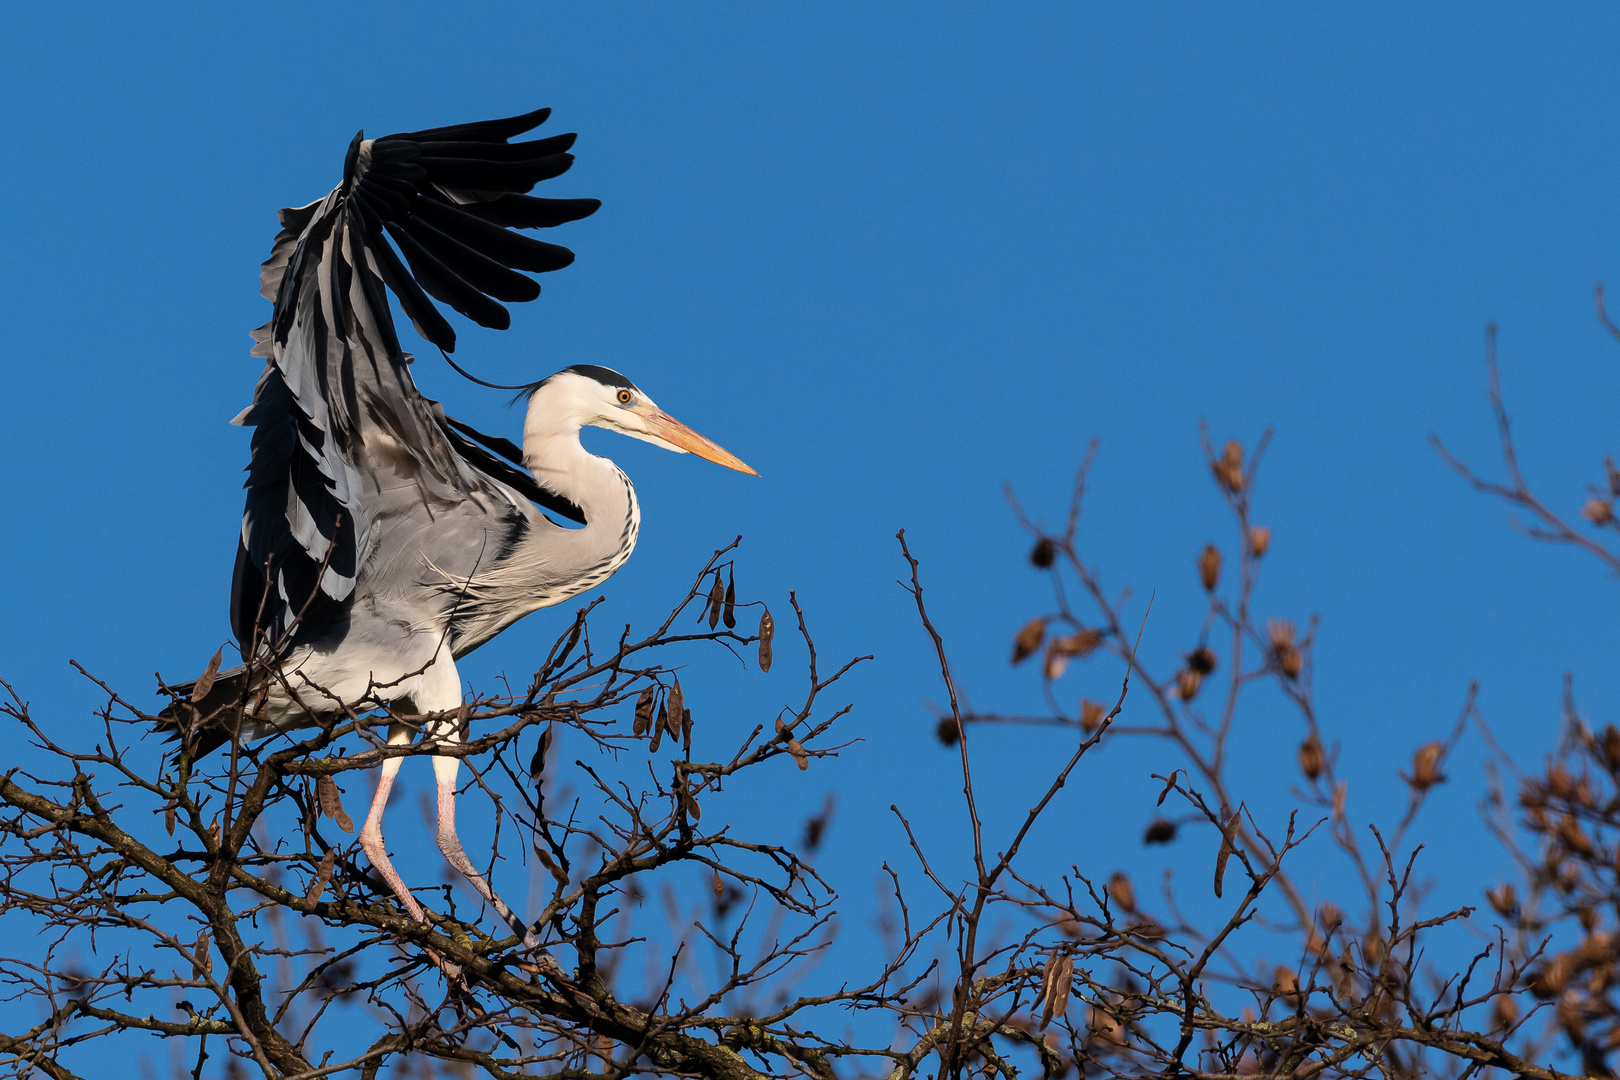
893 256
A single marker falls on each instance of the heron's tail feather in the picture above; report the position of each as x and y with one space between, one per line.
212 721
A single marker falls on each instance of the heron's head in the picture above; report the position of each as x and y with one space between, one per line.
587 395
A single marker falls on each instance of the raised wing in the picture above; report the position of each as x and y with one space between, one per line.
428 215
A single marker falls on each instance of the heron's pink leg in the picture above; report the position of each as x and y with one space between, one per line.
371 835
440 691
445 770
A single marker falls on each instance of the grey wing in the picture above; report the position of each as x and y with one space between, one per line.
343 442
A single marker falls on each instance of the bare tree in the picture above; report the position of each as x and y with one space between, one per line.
218 904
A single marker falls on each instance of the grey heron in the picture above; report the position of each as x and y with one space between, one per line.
382 539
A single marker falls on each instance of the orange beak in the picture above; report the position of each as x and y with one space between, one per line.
677 434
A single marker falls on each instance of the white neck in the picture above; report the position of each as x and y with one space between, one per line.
581 557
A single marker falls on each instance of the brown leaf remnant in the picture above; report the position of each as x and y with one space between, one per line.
1091 715
1598 511
1259 540
1043 554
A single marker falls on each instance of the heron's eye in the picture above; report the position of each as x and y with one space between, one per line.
624 397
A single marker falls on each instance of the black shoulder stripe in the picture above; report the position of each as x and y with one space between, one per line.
466 440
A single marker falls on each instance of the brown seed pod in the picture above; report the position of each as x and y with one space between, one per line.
1503 900
1159 831
719 886
1228 846
1187 683
323 876
558 874
1055 988
686 730
168 818
1209 567
1028 640
717 600
1311 758
1048 970
1043 554
1598 511
946 731
1343 973
1574 837
729 615
537 763
644 711
1201 660
767 630
1285 984
658 729
674 710
205 682
1549 980
1426 766
1120 888
202 963
1504 1012
1281 633
1259 539
331 802
1091 715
